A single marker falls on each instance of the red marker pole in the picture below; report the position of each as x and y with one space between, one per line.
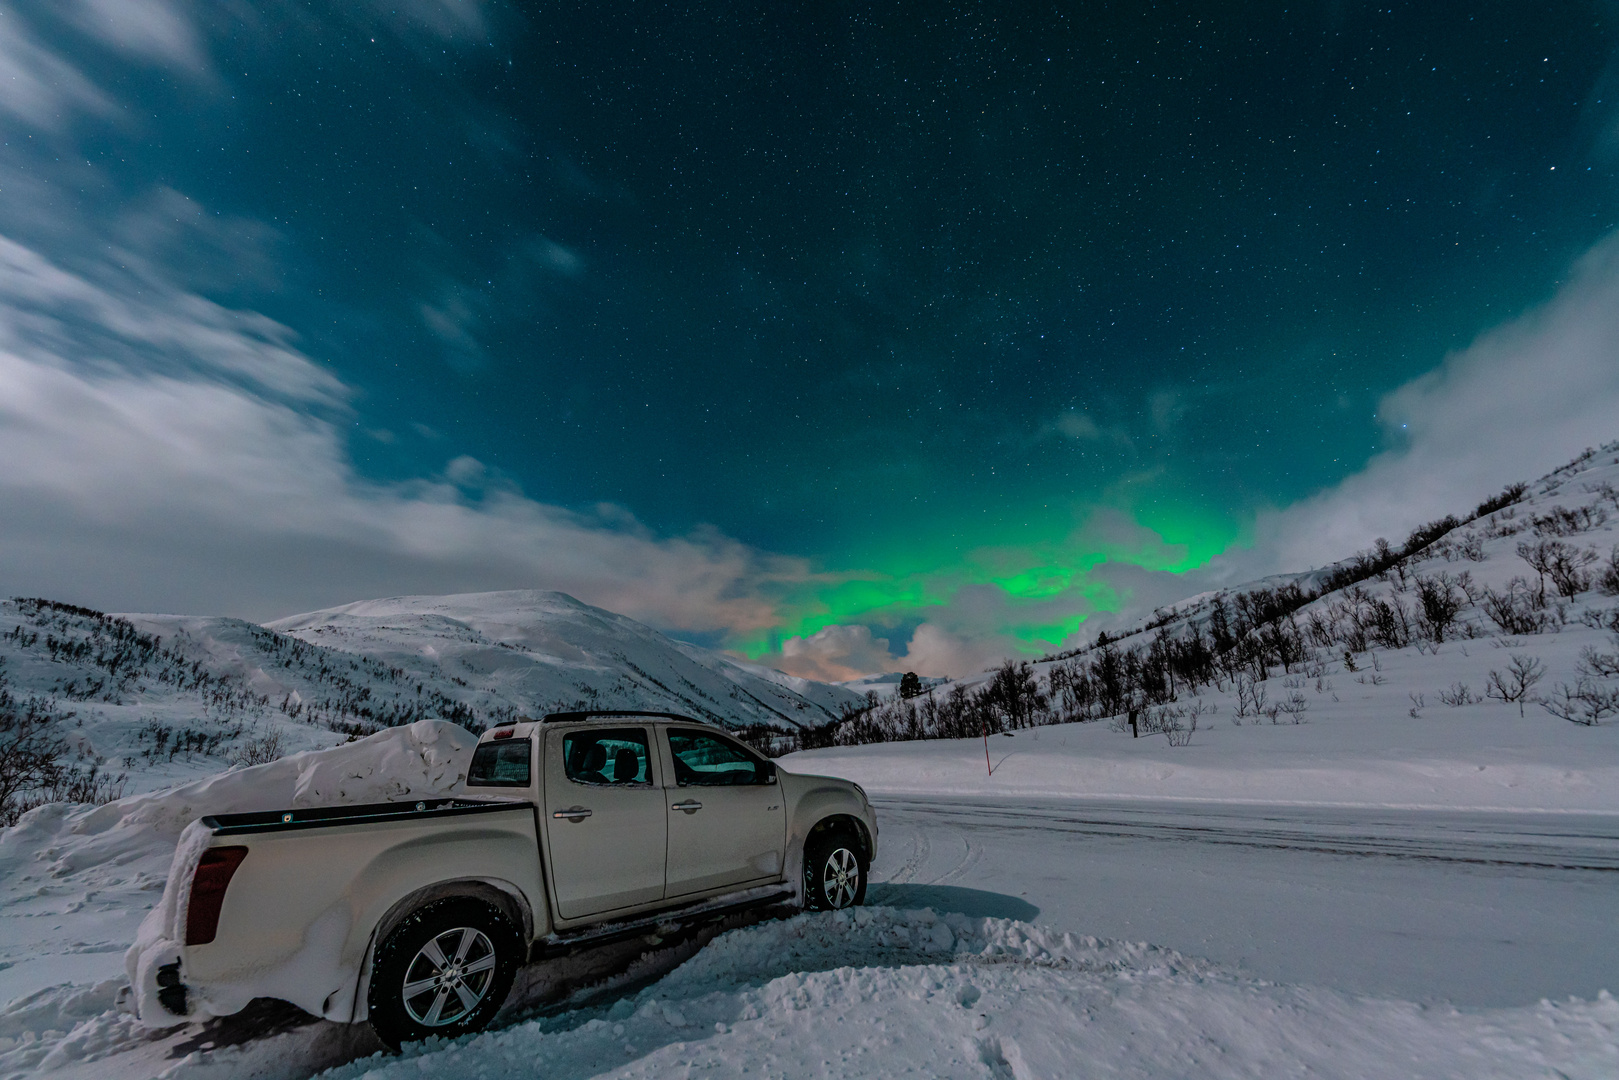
982 727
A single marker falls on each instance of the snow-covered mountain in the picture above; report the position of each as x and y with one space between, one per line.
544 651
163 698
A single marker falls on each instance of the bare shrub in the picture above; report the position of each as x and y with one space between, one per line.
1251 696
1511 494
1564 563
1583 703
1559 521
1603 665
1418 703
260 751
1514 684
1178 725
1459 694
1294 708
1607 578
1519 609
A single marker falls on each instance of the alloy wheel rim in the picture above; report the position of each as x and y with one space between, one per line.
841 878
449 976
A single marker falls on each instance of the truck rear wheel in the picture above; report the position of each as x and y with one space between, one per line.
834 871
444 971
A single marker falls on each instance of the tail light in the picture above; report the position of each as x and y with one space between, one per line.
208 887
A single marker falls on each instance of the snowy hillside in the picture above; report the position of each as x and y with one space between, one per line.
1508 619
155 699
546 651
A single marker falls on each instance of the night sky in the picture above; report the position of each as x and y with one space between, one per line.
952 305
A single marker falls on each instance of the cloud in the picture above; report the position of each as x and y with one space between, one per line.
836 653
163 452
152 30
840 653
1522 399
1079 426
453 321
445 20
40 88
556 258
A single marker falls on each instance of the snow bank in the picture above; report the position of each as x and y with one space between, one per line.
880 992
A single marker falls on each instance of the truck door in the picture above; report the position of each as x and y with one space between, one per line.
605 819
727 826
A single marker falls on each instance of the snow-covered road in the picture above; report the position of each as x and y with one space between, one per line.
1482 909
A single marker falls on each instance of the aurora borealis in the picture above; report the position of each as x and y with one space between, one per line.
986 318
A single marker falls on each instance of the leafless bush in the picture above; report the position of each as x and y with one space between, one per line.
74 784
1178 725
1562 522
1607 578
1564 563
1606 490
1515 683
1604 665
1418 703
1459 694
1519 609
36 763
1584 703
1294 708
1251 696
260 751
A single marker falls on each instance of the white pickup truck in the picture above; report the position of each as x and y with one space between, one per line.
416 916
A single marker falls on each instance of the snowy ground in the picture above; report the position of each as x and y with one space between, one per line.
1287 939
1361 750
882 993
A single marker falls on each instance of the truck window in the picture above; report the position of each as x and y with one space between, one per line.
500 764
707 760
615 756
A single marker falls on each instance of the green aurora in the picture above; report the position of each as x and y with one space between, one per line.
1048 588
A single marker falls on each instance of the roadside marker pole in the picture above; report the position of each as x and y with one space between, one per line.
985 729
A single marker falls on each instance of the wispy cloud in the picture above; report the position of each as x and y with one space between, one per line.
1523 398
39 87
159 31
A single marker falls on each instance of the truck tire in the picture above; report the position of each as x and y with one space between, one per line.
834 871
444 971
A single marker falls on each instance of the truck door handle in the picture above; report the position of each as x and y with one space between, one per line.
573 813
690 806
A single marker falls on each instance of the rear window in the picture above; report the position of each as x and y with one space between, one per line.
500 764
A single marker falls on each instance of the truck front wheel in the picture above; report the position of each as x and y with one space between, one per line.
834 871
444 970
